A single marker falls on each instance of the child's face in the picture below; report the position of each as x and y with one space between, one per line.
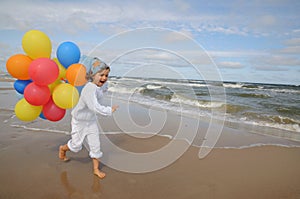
100 78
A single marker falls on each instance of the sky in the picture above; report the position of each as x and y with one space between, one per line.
244 41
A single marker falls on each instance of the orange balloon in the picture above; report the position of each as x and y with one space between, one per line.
76 75
18 66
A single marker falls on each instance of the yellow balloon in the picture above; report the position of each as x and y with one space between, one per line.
27 112
62 70
36 44
65 96
54 84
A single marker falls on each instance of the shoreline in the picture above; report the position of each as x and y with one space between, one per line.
135 118
138 118
10 99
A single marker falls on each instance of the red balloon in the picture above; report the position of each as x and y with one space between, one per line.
37 95
43 71
53 112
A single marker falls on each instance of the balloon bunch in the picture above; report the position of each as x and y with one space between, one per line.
49 86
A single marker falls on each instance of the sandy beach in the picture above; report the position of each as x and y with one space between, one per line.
30 168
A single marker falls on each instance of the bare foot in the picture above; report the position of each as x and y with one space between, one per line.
62 154
99 173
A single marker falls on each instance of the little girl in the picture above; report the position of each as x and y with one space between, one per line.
84 118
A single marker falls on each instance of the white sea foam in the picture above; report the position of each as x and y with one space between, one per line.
153 87
133 133
194 102
39 129
251 146
229 85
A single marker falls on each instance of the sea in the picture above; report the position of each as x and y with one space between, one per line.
270 109
265 105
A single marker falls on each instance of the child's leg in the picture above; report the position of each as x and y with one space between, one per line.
97 172
62 152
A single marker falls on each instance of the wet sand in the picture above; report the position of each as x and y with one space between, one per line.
30 168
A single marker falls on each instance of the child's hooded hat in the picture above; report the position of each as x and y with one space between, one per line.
92 64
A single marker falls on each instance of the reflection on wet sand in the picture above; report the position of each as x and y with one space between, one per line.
73 192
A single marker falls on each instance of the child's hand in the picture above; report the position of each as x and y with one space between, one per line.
114 108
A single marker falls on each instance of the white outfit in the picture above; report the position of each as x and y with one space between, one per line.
84 120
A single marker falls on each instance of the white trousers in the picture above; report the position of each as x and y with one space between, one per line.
87 134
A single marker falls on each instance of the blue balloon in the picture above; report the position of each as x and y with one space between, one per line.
20 85
42 116
68 53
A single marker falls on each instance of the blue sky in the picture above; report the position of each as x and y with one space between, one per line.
252 41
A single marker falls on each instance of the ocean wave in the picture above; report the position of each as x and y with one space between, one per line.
273 118
292 110
242 85
279 122
162 82
252 86
153 86
188 84
284 90
233 109
287 127
195 102
120 89
283 120
157 91
233 85
263 87
246 102
253 95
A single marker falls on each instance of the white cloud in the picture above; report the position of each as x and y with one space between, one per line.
134 14
275 62
292 47
269 68
292 42
178 36
237 54
291 50
65 15
230 64
283 61
266 25
267 20
225 30
182 5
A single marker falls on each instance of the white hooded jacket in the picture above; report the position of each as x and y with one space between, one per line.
89 103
